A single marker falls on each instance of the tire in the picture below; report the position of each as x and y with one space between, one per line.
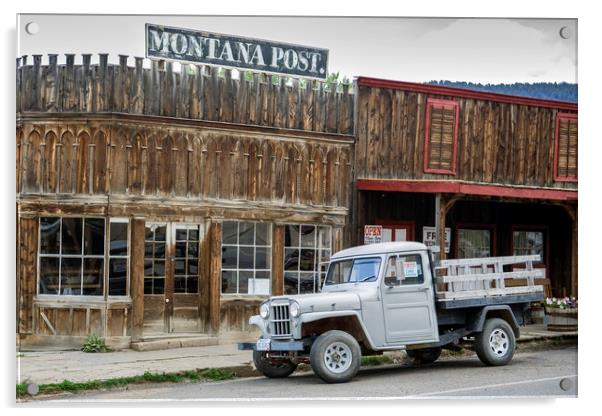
335 357
274 369
495 345
424 356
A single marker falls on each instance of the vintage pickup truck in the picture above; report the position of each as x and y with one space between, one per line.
390 296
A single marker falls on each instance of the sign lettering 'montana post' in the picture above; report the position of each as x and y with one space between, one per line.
231 51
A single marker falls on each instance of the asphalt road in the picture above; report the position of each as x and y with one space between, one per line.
536 374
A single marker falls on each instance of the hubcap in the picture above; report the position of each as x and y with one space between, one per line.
337 357
499 342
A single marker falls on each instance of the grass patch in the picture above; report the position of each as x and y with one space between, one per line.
213 374
376 360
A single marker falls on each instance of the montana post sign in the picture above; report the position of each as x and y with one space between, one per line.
165 42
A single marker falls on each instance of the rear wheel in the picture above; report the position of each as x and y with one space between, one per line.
424 355
272 368
496 344
335 357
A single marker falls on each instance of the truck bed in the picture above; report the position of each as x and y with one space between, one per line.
482 281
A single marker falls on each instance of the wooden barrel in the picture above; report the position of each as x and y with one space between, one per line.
561 319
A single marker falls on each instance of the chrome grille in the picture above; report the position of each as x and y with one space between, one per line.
280 321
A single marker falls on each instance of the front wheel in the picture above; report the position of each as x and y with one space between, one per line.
424 355
272 368
496 344
335 357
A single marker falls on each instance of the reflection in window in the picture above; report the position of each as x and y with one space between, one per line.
118 257
154 259
306 255
246 257
186 259
353 271
474 243
404 270
528 242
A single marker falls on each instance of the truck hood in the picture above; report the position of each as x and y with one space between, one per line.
321 302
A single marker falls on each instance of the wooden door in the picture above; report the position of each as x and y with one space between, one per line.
172 276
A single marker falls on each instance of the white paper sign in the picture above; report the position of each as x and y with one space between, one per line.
410 269
259 287
429 237
373 234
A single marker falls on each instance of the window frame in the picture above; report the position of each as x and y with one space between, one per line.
397 255
269 265
559 117
535 228
122 220
431 102
105 274
317 248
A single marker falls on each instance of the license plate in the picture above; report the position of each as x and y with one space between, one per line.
263 345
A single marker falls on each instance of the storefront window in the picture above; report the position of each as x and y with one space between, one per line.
246 257
72 256
306 255
528 242
118 257
474 243
154 259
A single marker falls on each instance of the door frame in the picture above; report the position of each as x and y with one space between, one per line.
409 226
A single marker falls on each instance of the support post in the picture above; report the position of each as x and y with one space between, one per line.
215 271
277 263
137 277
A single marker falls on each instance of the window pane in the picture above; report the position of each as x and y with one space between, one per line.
291 236
149 235
307 262
228 281
148 286
246 233
528 242
245 257
180 268
119 239
243 281
229 257
474 243
159 250
160 233
193 235
181 234
72 236
49 275
158 286
71 276
193 249
180 249
193 267
148 267
308 236
262 230
180 284
192 284
94 236
325 256
411 267
291 283
261 284
262 257
291 259
118 276
325 234
49 235
92 281
148 250
229 232
159 268
306 284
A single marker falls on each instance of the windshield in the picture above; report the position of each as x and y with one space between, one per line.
353 271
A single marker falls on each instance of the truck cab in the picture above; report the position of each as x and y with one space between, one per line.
374 298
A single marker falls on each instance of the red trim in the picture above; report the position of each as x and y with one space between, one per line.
455 187
430 102
464 93
531 227
409 226
476 226
559 117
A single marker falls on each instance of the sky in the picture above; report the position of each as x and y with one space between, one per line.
481 50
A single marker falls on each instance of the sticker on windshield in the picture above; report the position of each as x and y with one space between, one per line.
410 269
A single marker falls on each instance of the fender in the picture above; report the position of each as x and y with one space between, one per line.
504 311
316 316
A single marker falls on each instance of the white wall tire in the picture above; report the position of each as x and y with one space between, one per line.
335 357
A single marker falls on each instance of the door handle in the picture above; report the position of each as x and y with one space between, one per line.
166 300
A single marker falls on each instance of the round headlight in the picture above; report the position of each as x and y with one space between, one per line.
264 310
294 309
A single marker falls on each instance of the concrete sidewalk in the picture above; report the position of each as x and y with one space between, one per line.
56 366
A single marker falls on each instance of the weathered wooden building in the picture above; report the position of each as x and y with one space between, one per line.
158 203
153 202
499 171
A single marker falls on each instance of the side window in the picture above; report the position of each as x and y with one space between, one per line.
404 270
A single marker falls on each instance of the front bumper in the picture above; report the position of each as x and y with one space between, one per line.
274 345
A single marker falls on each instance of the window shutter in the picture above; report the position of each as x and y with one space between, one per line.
566 147
440 152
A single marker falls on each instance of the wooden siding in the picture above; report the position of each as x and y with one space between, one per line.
195 92
498 142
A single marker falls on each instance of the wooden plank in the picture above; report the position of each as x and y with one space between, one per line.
492 276
490 292
277 263
504 260
215 254
27 232
137 234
